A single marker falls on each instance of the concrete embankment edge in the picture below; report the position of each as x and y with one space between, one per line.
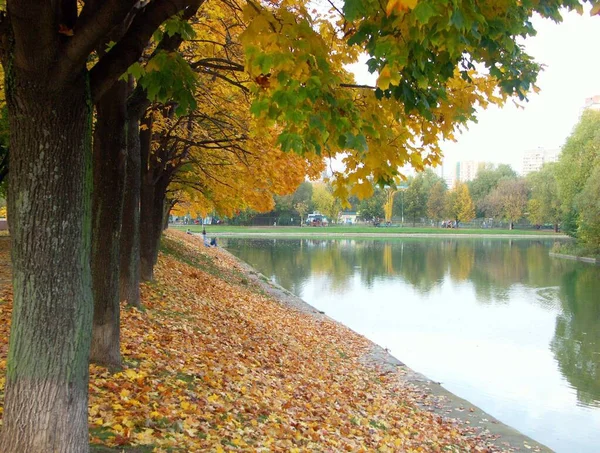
583 259
438 400
382 235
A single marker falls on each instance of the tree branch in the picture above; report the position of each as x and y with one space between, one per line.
129 49
363 87
218 63
138 100
96 21
34 46
227 79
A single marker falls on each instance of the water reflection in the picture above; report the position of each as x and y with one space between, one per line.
493 268
576 343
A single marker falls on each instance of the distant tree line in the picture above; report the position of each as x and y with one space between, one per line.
562 195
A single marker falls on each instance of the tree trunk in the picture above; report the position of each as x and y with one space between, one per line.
146 232
159 209
110 157
130 226
511 225
147 187
166 209
45 405
152 211
556 227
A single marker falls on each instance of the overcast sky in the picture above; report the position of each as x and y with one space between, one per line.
572 74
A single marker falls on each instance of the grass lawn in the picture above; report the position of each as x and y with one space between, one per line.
371 230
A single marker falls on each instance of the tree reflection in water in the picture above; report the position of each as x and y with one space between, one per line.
492 266
576 343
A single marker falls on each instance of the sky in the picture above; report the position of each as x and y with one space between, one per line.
572 74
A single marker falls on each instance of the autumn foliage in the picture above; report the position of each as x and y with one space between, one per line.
214 364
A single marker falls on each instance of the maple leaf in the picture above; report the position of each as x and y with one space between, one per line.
399 6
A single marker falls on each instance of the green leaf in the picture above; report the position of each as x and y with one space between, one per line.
259 106
423 12
357 142
457 19
109 46
353 9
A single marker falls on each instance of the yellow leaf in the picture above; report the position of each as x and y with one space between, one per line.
399 6
131 374
595 9
385 76
152 66
145 437
238 442
390 7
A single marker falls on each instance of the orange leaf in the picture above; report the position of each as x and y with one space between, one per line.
64 30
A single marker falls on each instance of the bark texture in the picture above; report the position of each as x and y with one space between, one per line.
45 408
130 227
110 157
147 195
151 225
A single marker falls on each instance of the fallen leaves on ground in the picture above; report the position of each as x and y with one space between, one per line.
213 364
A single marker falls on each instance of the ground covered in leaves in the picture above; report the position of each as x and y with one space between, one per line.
214 364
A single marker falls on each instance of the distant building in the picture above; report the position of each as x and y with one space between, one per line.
463 171
592 103
450 181
533 160
348 217
467 170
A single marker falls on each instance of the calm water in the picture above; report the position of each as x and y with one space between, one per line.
497 322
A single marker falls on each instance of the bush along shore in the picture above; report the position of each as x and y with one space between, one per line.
574 251
221 360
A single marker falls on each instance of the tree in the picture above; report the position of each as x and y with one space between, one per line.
487 179
303 194
437 201
301 208
459 204
508 200
428 80
589 207
49 104
544 205
579 157
372 208
388 207
112 137
415 199
325 202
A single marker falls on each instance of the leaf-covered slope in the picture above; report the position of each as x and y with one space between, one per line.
211 364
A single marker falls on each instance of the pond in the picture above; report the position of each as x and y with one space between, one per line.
496 321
